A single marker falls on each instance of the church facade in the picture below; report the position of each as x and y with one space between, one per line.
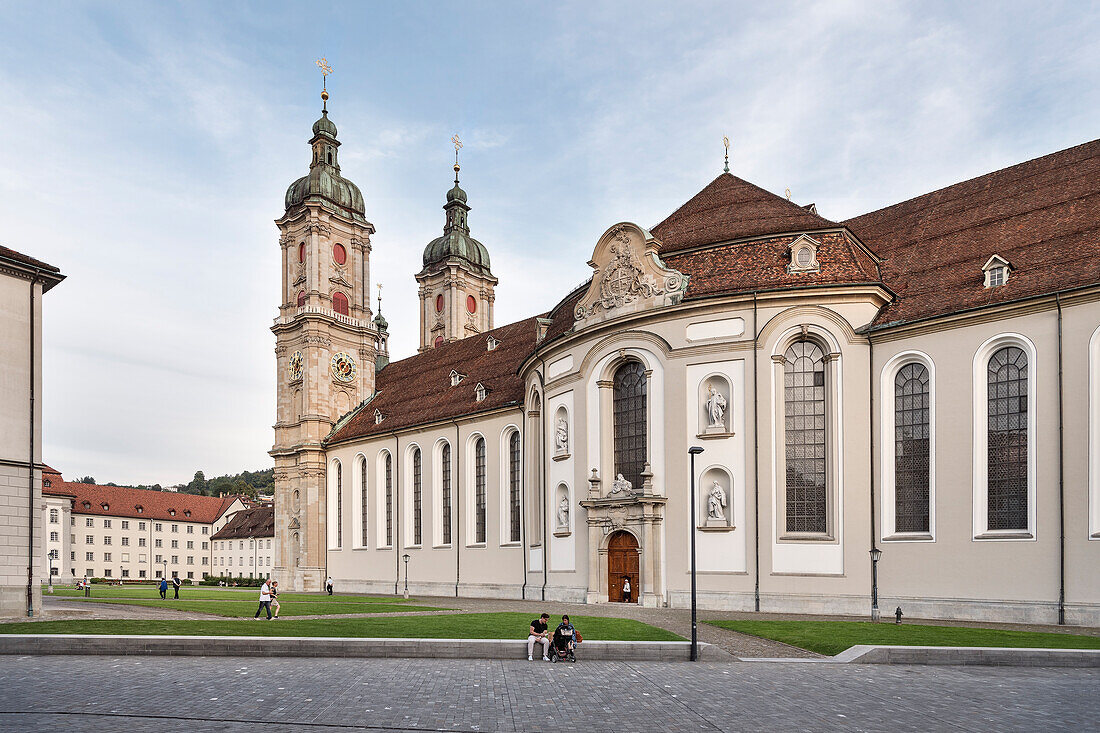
915 384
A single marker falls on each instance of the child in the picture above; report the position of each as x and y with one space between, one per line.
275 598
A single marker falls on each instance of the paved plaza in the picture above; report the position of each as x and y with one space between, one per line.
135 694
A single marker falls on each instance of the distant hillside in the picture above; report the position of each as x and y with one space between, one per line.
249 483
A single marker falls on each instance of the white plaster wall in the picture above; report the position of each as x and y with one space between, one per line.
563 556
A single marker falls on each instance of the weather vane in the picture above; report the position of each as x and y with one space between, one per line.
379 286
322 64
726 142
458 146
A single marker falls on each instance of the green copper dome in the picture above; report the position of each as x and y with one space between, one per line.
456 242
456 194
324 184
324 125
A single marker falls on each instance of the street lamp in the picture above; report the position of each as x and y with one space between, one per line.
693 451
50 555
405 557
875 555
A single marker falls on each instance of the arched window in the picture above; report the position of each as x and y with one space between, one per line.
438 341
416 497
340 303
1007 404
336 506
479 490
804 433
445 484
363 502
302 252
912 437
629 407
301 298
513 487
389 500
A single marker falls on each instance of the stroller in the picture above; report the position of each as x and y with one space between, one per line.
563 645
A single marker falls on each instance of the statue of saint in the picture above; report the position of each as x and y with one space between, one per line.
620 484
563 513
716 407
716 502
561 435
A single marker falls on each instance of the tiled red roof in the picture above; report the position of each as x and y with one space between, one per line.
730 208
119 501
418 390
23 259
1043 216
258 521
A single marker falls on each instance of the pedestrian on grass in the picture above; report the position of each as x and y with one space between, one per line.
265 601
275 598
328 585
176 583
163 588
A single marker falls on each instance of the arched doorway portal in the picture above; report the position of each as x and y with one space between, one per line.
622 562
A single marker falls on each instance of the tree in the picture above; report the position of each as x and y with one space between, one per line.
86 480
198 484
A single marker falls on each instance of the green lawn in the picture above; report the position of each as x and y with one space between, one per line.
833 637
296 606
509 625
209 593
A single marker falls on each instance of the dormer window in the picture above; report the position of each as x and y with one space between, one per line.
996 270
377 417
186 512
456 378
804 255
172 512
492 343
87 505
140 509
104 506
480 393
46 483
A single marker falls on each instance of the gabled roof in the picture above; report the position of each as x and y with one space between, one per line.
1043 216
730 208
258 521
51 275
417 390
156 505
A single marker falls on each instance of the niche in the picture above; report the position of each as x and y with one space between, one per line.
563 511
715 407
560 430
715 500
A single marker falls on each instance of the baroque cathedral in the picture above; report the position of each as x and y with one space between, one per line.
913 391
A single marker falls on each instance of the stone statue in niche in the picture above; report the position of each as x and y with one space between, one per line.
561 435
716 503
716 408
563 513
620 485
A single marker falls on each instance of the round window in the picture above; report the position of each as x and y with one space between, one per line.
804 257
339 254
439 303
302 252
438 341
471 304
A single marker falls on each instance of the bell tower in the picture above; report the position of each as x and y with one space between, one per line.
325 346
456 284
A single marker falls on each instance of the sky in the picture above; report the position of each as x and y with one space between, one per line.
145 149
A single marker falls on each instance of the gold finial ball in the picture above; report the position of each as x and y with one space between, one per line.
456 168
324 95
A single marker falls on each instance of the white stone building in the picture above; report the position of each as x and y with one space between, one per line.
244 547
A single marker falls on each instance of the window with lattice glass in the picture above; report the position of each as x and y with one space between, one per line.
805 440
339 505
389 500
416 496
363 502
629 412
479 490
912 436
445 458
1007 438
513 487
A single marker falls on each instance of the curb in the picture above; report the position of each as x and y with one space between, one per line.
278 646
958 655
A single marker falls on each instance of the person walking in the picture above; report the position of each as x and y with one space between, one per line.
275 598
176 583
265 601
163 588
328 585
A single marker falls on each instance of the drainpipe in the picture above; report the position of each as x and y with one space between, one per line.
456 504
30 465
542 472
396 512
755 454
871 473
1061 481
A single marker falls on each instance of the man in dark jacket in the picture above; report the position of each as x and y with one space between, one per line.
176 583
163 588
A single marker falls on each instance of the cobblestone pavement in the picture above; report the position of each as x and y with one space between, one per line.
297 695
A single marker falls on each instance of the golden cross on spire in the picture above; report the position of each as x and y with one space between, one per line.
726 142
322 64
458 146
379 286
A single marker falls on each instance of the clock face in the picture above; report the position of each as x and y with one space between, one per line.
294 368
343 367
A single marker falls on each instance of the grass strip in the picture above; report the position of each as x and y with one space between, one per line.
210 594
503 625
242 608
833 637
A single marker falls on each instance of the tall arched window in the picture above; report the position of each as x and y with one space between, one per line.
445 485
301 298
479 490
1007 404
340 303
416 497
389 500
363 501
912 435
335 505
804 434
629 409
513 486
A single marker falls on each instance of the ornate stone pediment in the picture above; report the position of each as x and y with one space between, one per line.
629 276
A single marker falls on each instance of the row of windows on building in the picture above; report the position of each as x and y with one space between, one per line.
108 557
125 573
55 518
227 561
125 541
228 544
415 494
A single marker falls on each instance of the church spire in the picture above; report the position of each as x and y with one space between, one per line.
456 207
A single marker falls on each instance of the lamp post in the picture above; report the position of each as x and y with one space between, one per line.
405 557
50 555
875 555
693 451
